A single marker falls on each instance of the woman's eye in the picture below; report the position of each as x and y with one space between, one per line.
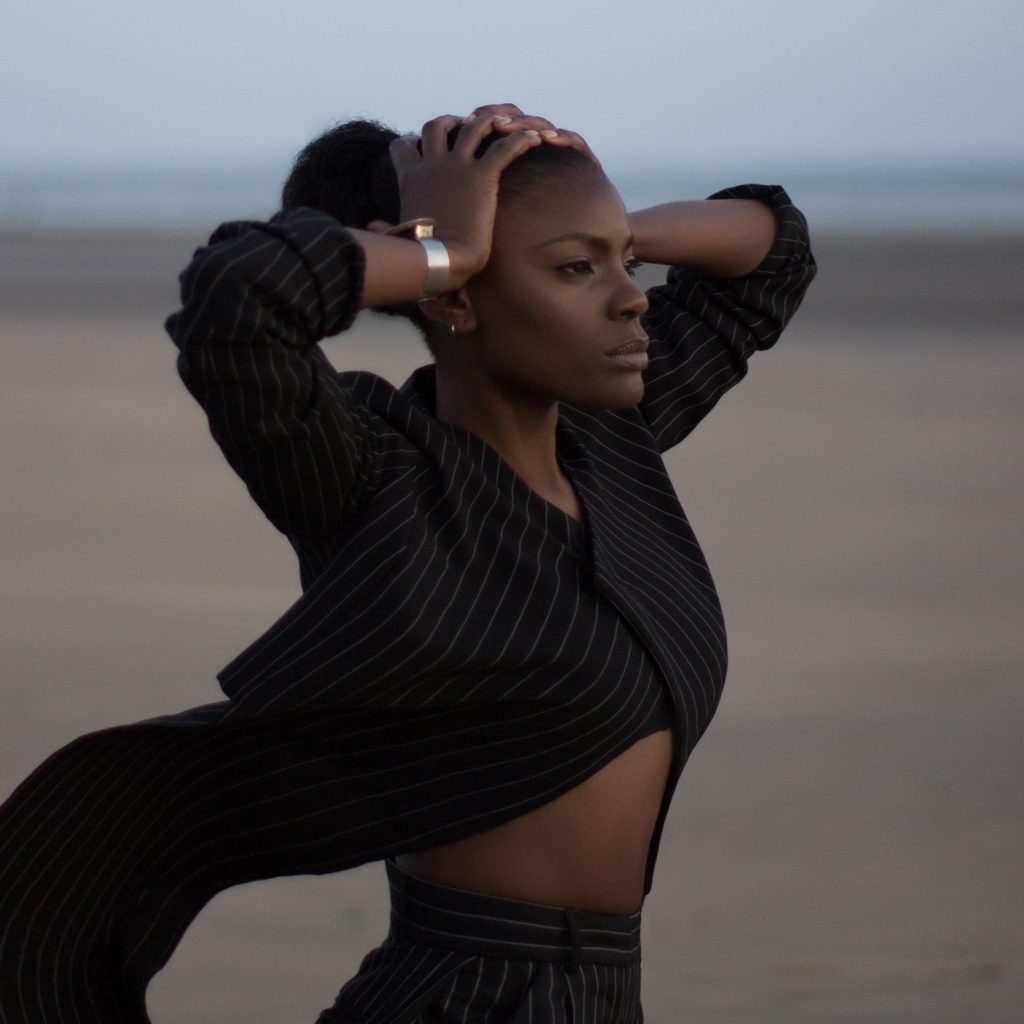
632 266
577 267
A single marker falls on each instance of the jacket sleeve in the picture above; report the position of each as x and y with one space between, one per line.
703 329
254 303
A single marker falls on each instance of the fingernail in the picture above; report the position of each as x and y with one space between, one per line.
468 118
531 131
549 133
502 119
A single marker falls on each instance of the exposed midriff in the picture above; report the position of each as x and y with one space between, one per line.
586 849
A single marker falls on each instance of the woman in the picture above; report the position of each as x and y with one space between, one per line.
508 641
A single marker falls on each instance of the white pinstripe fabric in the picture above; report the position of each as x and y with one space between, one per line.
462 652
416 985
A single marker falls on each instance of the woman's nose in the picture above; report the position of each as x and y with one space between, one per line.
630 301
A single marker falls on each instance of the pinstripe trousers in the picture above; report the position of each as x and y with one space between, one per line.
458 957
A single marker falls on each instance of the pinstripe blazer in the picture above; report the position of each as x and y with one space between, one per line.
462 652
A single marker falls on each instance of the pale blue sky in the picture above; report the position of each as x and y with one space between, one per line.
215 82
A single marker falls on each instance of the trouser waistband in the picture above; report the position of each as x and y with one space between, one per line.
426 913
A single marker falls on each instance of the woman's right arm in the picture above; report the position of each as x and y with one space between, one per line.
254 303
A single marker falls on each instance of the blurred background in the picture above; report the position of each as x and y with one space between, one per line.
846 842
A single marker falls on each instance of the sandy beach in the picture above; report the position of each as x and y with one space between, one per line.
846 844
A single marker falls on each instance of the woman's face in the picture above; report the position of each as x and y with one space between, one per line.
557 309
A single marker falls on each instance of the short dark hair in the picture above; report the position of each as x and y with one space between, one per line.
347 172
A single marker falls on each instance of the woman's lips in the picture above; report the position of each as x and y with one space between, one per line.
632 354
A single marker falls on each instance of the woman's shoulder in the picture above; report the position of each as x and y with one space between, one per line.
381 396
401 417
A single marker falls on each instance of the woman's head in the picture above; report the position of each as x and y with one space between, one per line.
546 318
555 314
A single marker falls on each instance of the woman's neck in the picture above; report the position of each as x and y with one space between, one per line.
524 434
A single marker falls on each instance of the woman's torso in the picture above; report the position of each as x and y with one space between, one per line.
458 589
586 849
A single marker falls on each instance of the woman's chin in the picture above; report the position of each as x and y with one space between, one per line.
623 394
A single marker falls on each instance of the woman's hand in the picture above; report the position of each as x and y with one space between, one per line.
459 191
521 122
456 188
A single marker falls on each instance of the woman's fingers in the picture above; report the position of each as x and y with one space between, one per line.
435 135
515 119
503 118
548 132
494 109
570 140
508 149
524 121
472 134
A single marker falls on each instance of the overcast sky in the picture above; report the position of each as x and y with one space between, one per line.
215 82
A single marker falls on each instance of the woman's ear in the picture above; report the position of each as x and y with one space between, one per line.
453 311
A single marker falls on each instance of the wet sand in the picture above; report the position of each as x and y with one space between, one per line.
846 843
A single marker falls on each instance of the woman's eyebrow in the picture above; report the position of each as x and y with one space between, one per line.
598 242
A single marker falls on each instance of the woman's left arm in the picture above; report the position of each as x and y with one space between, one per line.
740 263
718 238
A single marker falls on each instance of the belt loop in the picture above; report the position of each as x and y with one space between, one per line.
398 905
574 939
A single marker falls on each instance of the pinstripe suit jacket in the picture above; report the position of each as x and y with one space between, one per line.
462 651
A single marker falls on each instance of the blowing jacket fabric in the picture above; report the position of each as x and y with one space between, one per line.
463 651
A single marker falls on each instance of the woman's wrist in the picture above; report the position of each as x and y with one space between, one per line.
397 270
421 229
